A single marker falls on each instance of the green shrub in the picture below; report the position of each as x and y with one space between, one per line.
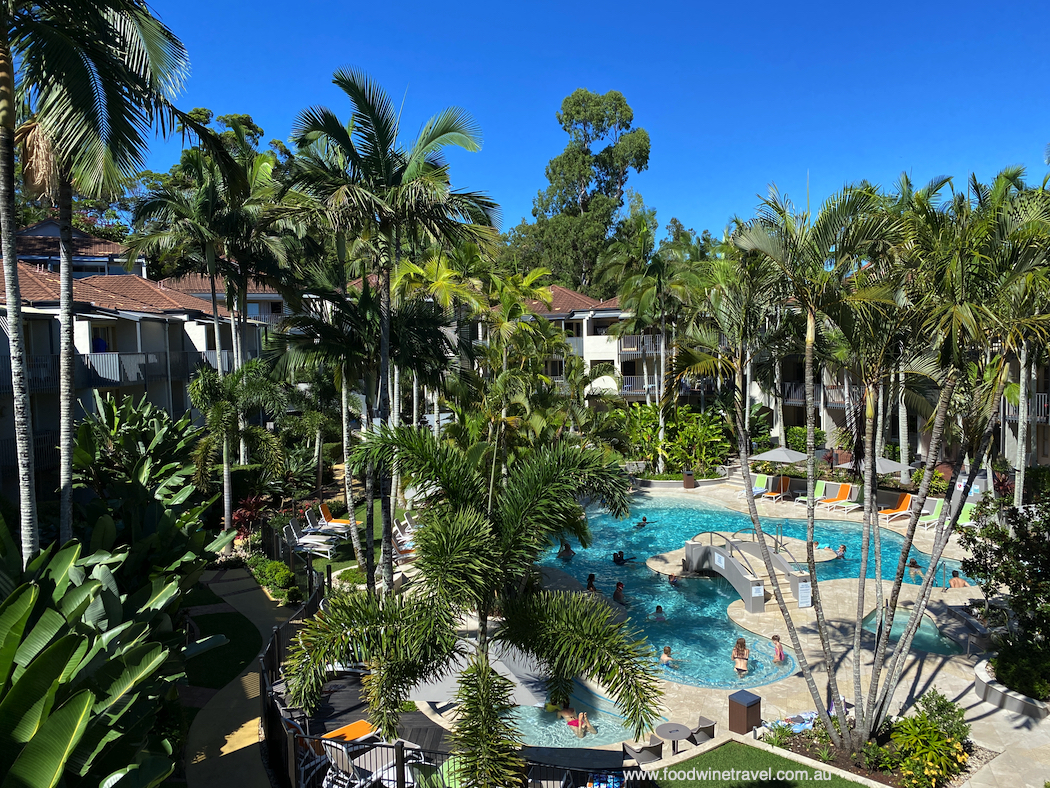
777 736
939 485
1023 667
878 759
929 757
1037 483
946 715
280 575
294 594
795 438
332 453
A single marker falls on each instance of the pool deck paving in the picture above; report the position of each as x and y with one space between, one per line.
1023 743
222 748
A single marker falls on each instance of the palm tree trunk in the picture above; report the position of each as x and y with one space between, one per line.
902 428
744 448
66 388
811 481
395 421
778 400
370 509
227 485
880 426
21 410
348 476
319 459
384 415
1022 427
437 413
209 253
663 380
415 399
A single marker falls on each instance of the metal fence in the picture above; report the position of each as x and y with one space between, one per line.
330 763
45 451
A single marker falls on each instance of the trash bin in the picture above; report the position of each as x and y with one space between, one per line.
687 480
745 712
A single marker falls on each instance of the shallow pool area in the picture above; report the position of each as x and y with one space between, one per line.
927 638
541 728
696 622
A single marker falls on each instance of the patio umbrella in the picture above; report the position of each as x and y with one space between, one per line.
882 466
780 454
606 384
530 688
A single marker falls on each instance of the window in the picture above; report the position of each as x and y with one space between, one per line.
102 339
276 308
253 308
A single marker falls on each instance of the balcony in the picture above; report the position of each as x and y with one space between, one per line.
1038 409
637 346
576 345
834 396
639 385
43 374
795 394
269 319
45 452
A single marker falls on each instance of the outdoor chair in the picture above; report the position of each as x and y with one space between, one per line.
650 753
315 537
327 549
704 731
780 492
758 489
931 519
324 528
309 758
900 510
966 517
840 498
818 493
343 772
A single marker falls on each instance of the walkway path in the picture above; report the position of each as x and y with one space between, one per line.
222 749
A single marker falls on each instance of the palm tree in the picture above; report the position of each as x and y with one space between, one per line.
143 65
476 547
62 57
410 199
221 399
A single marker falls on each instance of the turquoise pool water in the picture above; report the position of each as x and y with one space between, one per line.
928 638
697 625
546 729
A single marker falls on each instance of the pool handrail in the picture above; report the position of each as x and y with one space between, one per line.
778 542
732 552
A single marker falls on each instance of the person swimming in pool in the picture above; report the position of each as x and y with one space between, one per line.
619 560
778 650
618 596
657 615
590 584
642 523
673 580
914 571
566 553
578 722
841 552
956 581
741 654
668 661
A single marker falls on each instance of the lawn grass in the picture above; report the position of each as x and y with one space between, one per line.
734 756
217 668
344 553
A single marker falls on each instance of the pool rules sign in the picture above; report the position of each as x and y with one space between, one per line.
805 594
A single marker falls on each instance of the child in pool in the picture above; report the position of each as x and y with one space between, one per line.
657 615
673 580
667 661
778 650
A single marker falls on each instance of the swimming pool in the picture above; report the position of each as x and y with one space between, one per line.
546 729
927 638
697 626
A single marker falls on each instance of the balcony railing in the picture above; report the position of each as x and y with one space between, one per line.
43 374
1038 409
795 394
45 451
576 344
637 345
833 396
638 385
270 319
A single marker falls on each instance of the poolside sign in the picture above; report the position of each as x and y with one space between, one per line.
805 594
720 561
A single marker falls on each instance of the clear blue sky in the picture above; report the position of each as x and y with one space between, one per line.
735 96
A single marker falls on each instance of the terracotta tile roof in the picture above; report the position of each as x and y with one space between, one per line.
563 301
156 295
125 291
198 283
609 303
47 246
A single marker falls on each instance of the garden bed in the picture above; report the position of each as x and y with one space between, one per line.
999 695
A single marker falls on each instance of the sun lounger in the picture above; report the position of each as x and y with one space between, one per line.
966 517
901 509
653 751
315 526
308 544
758 489
780 492
931 519
818 493
841 498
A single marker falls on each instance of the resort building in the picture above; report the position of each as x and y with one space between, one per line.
131 335
264 303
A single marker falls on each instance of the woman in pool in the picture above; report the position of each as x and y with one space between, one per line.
590 584
914 571
657 615
566 553
741 653
841 552
778 650
578 722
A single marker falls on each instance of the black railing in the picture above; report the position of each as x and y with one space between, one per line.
45 452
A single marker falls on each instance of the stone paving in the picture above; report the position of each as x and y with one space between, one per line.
1023 743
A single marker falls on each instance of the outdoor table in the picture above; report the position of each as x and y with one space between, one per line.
674 732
